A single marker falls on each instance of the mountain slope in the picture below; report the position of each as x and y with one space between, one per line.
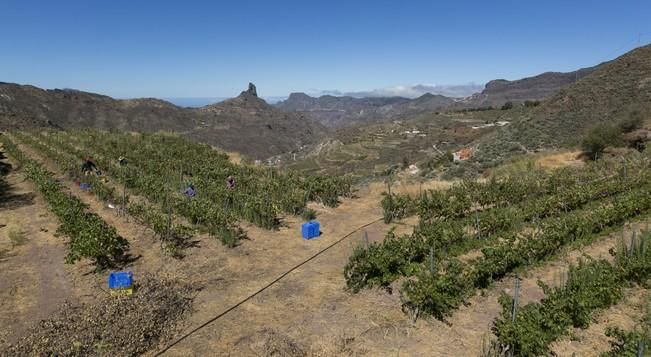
230 125
251 125
336 112
339 112
611 92
499 91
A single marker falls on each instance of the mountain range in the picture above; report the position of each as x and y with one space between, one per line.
343 111
245 124
571 103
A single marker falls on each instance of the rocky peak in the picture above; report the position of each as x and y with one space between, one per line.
251 91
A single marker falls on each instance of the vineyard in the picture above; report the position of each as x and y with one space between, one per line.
588 287
467 239
90 236
513 224
160 166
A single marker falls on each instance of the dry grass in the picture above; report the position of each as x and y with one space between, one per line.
112 325
561 159
17 238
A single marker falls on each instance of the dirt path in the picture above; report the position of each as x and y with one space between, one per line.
310 310
34 280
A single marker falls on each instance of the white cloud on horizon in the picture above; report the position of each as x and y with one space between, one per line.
409 91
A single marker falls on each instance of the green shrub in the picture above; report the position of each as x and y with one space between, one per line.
633 122
600 137
397 206
308 214
507 106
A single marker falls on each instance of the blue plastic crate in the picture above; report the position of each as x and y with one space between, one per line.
120 280
311 229
84 186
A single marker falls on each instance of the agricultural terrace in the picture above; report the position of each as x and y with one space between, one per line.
160 166
466 243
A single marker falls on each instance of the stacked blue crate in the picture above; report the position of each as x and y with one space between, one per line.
121 283
310 229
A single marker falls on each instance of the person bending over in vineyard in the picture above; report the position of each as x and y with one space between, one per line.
122 161
88 166
230 182
189 191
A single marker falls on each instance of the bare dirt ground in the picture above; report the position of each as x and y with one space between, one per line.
311 310
34 281
308 312
562 159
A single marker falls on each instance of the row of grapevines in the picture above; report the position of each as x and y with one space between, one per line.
261 194
439 292
154 187
470 195
174 236
90 236
589 286
202 161
382 263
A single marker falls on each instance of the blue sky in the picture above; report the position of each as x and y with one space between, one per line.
214 48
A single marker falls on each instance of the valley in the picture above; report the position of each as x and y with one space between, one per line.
514 221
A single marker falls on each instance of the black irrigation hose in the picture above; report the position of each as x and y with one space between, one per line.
168 347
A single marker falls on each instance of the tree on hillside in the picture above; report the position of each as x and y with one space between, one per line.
600 137
507 106
633 122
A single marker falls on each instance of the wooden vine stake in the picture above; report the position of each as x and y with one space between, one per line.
514 311
365 239
477 225
516 298
123 208
640 348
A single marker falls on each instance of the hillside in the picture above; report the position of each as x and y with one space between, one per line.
334 111
377 150
499 91
613 91
245 124
250 126
338 112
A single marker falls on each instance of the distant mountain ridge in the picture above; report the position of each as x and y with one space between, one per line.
499 91
339 112
246 124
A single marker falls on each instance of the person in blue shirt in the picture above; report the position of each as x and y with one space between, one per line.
190 191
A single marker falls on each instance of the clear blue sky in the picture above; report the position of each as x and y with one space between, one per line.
214 48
